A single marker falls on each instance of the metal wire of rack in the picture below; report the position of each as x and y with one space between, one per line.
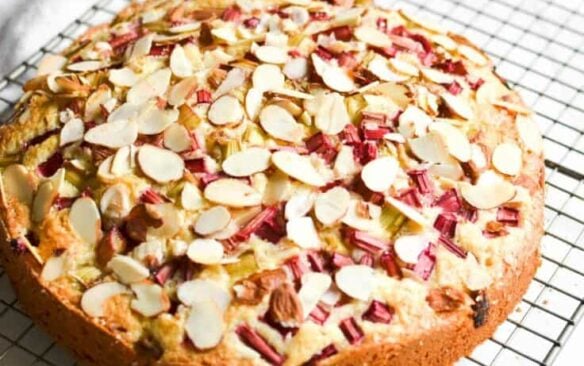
538 46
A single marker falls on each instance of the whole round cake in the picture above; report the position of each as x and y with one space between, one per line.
285 182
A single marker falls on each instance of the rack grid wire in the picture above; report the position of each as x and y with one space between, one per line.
538 46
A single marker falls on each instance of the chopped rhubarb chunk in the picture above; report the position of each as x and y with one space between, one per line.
426 262
470 214
347 60
209 178
164 273
251 22
372 131
365 241
316 261
324 53
253 340
422 180
203 96
351 330
196 165
367 259
283 330
452 247
231 14
322 145
350 135
319 15
378 312
454 88
151 196
426 44
378 118
18 245
267 215
51 165
343 33
474 82
120 42
365 152
327 352
450 201
451 67
381 24
339 260
508 215
410 197
63 202
161 50
389 262
446 224
294 53
320 314
297 267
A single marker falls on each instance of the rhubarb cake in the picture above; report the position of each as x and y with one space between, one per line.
270 183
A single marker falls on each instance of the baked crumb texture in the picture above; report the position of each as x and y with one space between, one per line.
270 182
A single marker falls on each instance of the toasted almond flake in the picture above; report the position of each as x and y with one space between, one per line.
379 174
372 36
299 205
72 131
507 158
408 211
280 124
345 165
253 102
142 47
513 107
180 65
424 23
448 43
93 300
185 27
332 205
51 63
395 137
18 183
234 79
430 148
267 77
356 281
191 197
124 77
205 325
490 191
43 201
292 93
177 138
303 233
296 68
104 170
472 55
332 115
150 300
529 133
298 167
85 66
225 110
247 162
490 91
113 134
409 247
205 251
212 220
154 121
121 163
172 221
126 112
333 76
271 54
437 76
456 141
155 85
182 90
85 219
459 105
314 286
200 290
362 216
96 102
115 202
232 193
127 269
450 169
54 268
150 253
404 67
380 68
159 164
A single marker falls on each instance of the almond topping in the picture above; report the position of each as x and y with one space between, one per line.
181 91
414 122
472 55
299 205
437 76
380 68
93 300
191 197
285 306
123 77
232 193
332 116
458 105
114 134
172 220
456 141
54 268
127 269
51 63
280 124
314 286
253 102
225 110
302 232
151 299
205 325
332 205
408 248
177 138
154 121
205 251
159 164
85 219
529 133
404 67
357 281
247 162
507 158
199 290
430 148
267 77
85 66
155 85
234 79
408 211
490 191
212 220
72 131
18 183
271 54
333 76
180 65
296 68
379 174
115 202
298 167
372 36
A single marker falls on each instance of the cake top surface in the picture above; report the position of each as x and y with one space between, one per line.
273 181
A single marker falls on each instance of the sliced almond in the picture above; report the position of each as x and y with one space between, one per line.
225 110
72 131
379 174
205 251
142 47
332 205
298 167
232 193
159 164
93 300
424 23
404 67
54 268
299 205
356 281
271 54
150 300
234 79
180 65
177 138
182 90
280 124
314 286
414 122
127 269
472 55
113 134
247 162
456 141
267 77
450 169
96 102
127 112
507 158
345 165
409 247
292 93
172 220
437 76
123 161
459 105
212 220
372 36
205 325
85 219
86 66
408 211
115 202
253 102
333 76
200 290
529 133
154 120
362 216
380 68
430 148
155 85
490 191
123 77
302 232
51 63
191 197
185 27
19 183
296 68
332 115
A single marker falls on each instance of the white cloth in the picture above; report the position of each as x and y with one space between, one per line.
26 25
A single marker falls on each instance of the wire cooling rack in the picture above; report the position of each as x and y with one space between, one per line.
538 47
